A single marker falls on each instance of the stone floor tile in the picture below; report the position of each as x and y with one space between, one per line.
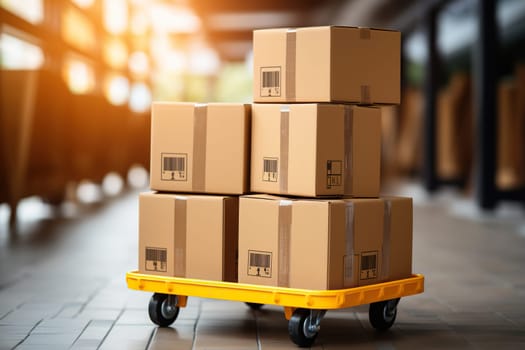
134 316
93 334
170 338
99 313
127 337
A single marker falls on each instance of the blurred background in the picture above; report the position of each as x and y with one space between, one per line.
78 78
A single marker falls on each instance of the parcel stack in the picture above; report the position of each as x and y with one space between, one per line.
188 224
284 192
318 221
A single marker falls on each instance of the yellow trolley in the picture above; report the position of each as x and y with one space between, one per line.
304 309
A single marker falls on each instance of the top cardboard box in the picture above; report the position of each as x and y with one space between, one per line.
200 148
327 64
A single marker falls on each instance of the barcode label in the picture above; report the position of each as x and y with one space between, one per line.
156 259
334 173
174 166
270 81
368 268
270 169
259 263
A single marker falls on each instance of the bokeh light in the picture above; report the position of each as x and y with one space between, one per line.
140 97
79 76
112 184
115 52
116 89
16 53
115 16
139 63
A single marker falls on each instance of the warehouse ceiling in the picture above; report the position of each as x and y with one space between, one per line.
228 24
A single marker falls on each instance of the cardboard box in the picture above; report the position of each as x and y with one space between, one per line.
455 129
327 64
200 148
397 238
509 172
174 240
316 150
311 244
410 143
389 139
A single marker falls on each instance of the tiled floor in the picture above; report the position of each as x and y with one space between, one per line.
62 286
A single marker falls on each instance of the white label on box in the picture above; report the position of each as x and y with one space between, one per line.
259 263
270 81
174 166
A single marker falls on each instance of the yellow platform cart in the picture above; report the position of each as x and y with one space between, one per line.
304 309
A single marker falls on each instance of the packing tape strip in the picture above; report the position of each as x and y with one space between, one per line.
348 278
199 148
348 144
387 237
291 52
365 95
365 34
285 224
180 232
283 149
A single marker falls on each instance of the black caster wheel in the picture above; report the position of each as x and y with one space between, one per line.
298 328
162 309
255 306
383 314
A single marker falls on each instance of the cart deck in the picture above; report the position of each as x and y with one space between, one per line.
303 308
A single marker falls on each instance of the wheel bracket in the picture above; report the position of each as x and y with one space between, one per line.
313 322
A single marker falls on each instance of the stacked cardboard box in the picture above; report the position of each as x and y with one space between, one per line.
316 133
202 149
315 137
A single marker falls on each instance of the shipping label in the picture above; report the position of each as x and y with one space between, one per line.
368 265
270 169
270 81
156 259
259 263
174 166
334 173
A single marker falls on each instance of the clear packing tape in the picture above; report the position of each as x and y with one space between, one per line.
180 237
200 115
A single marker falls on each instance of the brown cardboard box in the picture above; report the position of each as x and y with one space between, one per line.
509 174
326 64
174 240
389 138
447 162
454 129
397 238
311 244
316 150
200 148
409 143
